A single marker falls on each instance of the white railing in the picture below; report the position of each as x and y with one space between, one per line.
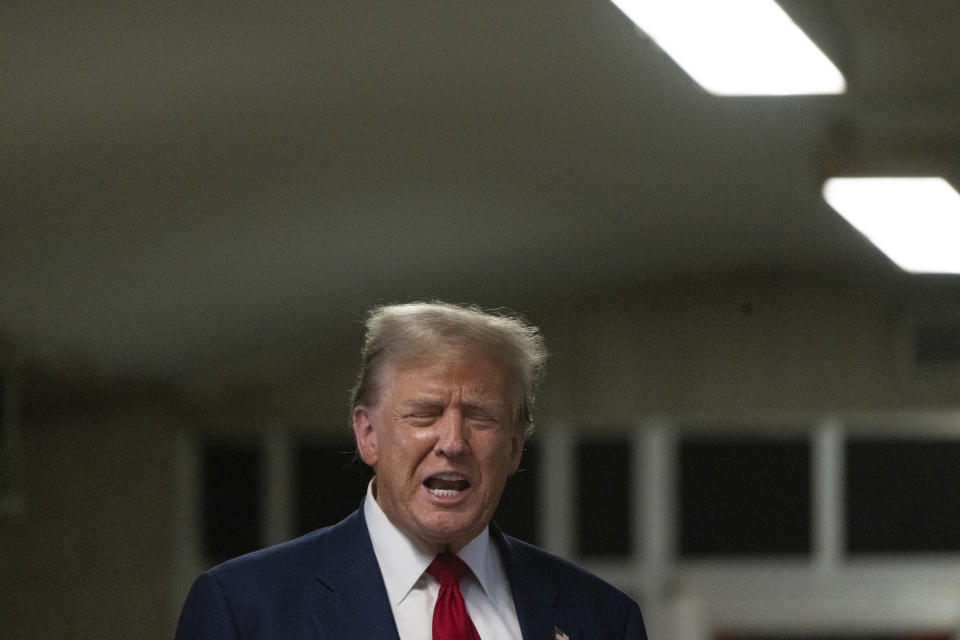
825 593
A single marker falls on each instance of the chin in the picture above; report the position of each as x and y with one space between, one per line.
451 533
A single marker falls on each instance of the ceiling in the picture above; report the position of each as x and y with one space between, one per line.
185 181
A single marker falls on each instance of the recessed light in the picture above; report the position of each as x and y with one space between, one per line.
737 47
914 221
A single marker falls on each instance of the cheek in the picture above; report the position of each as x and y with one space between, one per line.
408 451
502 457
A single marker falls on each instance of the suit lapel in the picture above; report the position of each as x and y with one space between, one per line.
348 598
535 595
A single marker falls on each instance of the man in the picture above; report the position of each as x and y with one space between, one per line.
441 410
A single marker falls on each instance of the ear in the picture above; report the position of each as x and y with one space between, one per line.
365 434
517 440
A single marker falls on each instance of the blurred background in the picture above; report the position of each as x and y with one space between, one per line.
751 418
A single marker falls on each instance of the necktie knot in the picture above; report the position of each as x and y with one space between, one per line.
447 568
450 618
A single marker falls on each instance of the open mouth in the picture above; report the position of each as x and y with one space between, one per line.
446 485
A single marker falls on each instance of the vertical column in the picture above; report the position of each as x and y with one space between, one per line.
655 528
187 559
655 522
828 477
277 506
558 479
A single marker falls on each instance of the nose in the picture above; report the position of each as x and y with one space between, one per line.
452 438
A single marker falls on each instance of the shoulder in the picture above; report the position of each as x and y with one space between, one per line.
542 581
528 563
300 556
288 563
248 595
550 565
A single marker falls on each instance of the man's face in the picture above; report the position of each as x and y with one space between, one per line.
442 439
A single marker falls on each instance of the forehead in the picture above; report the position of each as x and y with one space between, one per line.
472 372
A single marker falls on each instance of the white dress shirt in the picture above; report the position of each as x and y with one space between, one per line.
412 592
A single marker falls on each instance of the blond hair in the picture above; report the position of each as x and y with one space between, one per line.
400 334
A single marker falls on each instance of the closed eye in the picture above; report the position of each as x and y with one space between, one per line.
482 419
423 413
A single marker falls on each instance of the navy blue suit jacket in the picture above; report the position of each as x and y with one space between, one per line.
327 585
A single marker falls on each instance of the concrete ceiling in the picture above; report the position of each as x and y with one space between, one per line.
184 181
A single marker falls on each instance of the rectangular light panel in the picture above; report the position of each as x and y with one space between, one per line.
737 47
914 221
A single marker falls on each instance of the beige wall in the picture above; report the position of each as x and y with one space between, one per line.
91 555
721 349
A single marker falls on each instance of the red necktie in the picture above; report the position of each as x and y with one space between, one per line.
450 619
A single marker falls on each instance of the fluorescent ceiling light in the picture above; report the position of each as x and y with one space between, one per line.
737 47
915 221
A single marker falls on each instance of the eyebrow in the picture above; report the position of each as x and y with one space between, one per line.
492 406
422 403
469 405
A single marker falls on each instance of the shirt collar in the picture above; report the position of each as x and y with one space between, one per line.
402 563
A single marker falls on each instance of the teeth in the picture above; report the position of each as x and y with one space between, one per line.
446 484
